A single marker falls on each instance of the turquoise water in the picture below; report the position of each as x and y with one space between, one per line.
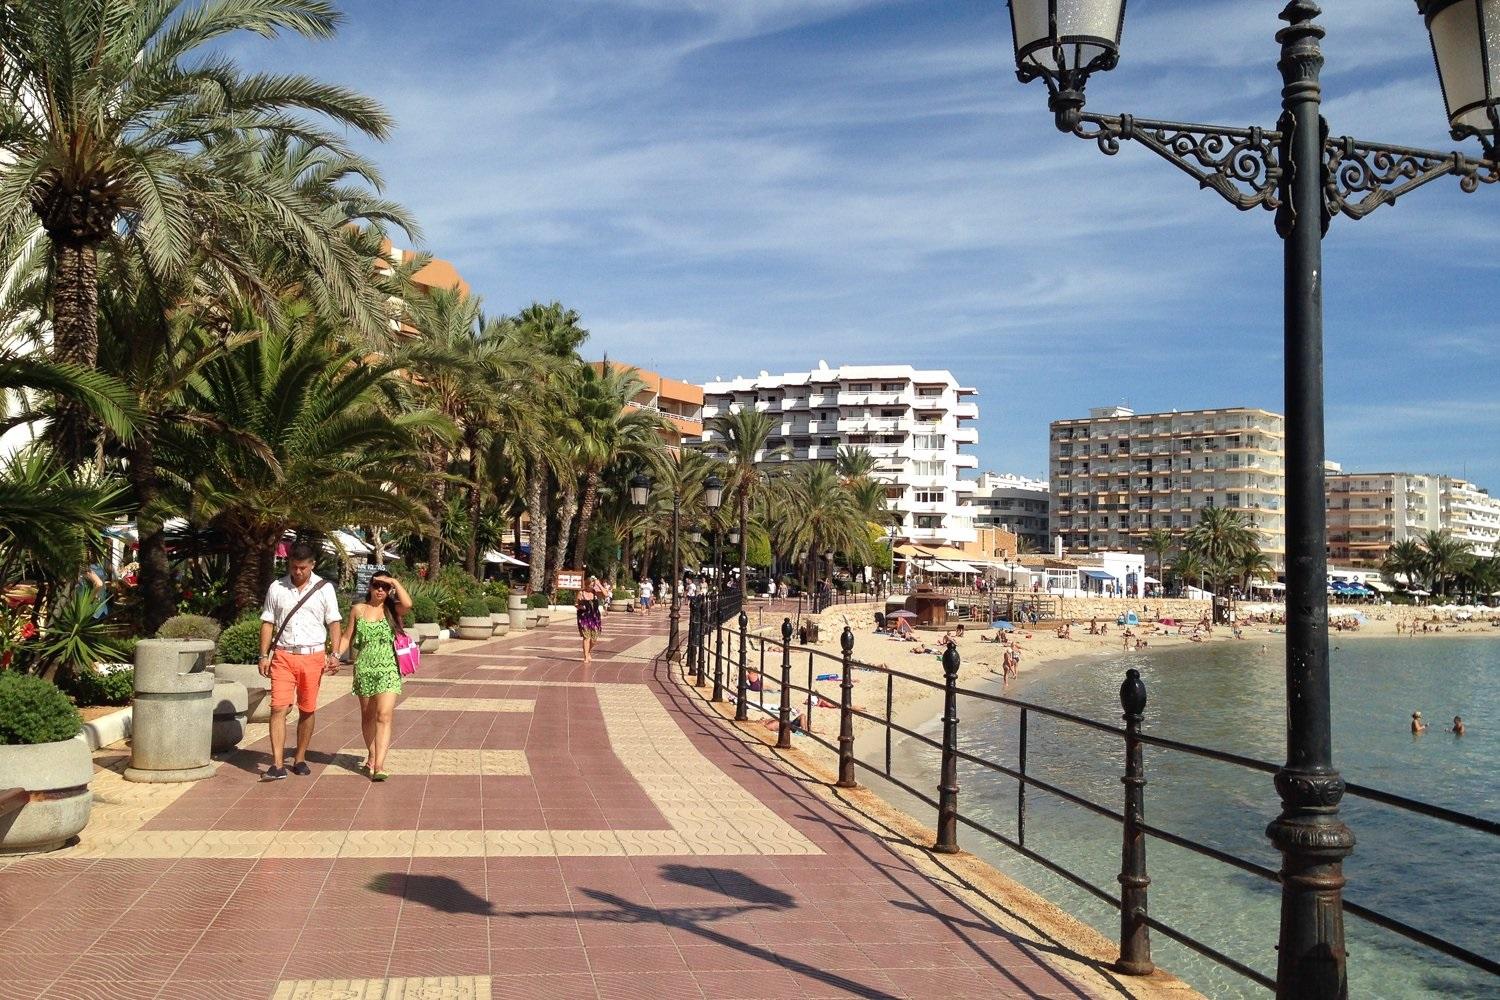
1230 696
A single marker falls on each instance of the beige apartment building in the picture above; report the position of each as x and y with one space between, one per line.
1117 474
1368 512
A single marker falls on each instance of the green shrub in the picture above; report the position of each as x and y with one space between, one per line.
100 687
566 597
425 609
127 648
189 627
475 607
240 642
459 583
497 588
496 605
35 711
535 601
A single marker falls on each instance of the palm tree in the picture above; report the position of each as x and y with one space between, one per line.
1406 559
816 514
49 514
1251 564
609 430
332 449
1220 537
740 441
112 132
1444 558
1190 565
854 463
1159 542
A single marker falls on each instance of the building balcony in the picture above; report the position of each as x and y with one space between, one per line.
966 411
874 425
965 435
849 398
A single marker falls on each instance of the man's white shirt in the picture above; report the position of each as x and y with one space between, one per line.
309 626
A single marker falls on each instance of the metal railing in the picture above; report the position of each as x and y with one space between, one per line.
746 657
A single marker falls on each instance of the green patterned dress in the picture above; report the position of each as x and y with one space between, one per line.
375 658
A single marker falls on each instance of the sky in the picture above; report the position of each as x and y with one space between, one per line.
721 187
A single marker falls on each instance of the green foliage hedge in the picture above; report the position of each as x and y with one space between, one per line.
475 607
497 588
240 642
100 687
535 601
497 605
424 608
189 627
566 597
35 711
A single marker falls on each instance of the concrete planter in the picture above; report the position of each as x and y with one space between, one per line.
516 610
257 688
499 623
475 627
60 770
536 618
428 636
619 605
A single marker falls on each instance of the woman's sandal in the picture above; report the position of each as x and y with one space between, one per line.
379 776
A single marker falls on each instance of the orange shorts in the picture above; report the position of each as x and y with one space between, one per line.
298 673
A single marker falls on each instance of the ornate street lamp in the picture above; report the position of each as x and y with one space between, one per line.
713 492
1307 177
640 489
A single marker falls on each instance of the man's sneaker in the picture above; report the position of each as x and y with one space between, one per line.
300 768
273 774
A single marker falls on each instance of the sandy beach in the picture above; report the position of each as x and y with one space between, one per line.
915 705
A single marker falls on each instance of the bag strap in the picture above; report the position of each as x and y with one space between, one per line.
295 608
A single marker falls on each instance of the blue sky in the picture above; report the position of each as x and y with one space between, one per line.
724 186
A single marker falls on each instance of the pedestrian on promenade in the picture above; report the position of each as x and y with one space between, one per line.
586 604
646 591
295 625
373 626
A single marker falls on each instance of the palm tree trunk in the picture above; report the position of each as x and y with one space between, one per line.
537 515
566 508
471 557
252 556
744 546
585 515
157 600
75 339
439 468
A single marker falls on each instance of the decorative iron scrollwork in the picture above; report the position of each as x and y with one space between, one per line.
1241 164
1359 177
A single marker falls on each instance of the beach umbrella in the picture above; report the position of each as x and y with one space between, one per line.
1001 623
901 614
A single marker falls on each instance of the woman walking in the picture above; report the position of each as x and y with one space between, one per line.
589 622
371 631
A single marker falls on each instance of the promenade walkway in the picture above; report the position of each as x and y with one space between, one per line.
550 830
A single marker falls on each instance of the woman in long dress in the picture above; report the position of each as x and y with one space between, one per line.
586 603
371 633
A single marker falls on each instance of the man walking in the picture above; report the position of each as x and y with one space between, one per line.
300 616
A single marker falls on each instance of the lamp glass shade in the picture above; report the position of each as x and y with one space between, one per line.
1061 35
640 489
734 538
1466 46
713 492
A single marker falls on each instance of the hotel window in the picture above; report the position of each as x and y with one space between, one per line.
927 442
930 496
928 469
861 387
890 387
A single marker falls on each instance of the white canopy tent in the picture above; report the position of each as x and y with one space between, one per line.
501 558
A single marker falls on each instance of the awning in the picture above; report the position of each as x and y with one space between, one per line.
1379 585
1098 574
949 566
500 557
1150 579
1273 585
351 545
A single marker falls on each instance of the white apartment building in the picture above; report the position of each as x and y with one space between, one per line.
914 422
1117 474
1017 504
1368 512
1471 515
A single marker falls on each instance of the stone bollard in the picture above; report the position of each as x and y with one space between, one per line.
231 709
515 606
257 688
173 717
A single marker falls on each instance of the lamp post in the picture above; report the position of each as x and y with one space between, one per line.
713 495
1307 178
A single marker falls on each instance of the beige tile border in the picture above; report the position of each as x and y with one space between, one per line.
423 988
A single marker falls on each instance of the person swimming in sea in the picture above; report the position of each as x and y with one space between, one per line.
1458 726
1417 725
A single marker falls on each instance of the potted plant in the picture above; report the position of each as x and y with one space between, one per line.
474 622
499 615
426 628
42 749
539 605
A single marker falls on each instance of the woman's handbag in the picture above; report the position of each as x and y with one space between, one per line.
408 656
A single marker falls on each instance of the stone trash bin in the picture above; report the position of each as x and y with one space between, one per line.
515 606
173 717
231 708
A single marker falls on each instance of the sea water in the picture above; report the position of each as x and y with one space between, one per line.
1230 696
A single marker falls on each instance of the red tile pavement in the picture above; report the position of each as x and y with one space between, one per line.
854 921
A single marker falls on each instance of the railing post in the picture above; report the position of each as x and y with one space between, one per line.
703 620
784 731
846 713
692 637
947 831
1135 936
1021 785
718 694
741 708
